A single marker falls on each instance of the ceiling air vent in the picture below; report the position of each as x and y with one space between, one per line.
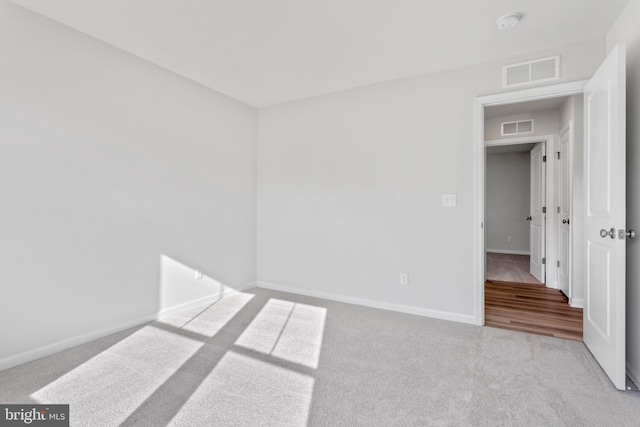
516 128
527 73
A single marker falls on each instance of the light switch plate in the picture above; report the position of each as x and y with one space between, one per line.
448 200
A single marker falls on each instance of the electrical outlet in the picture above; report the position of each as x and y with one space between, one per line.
508 238
198 271
404 279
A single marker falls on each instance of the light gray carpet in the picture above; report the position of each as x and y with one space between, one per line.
509 268
270 358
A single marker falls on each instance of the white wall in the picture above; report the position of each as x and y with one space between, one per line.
544 123
350 185
626 30
508 181
116 177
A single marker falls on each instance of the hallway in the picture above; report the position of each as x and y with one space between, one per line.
509 268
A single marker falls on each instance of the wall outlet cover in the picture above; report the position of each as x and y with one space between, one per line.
404 279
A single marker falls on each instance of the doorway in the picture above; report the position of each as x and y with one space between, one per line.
539 226
511 234
527 195
506 102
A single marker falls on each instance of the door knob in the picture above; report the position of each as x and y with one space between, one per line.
528 218
611 233
565 221
631 234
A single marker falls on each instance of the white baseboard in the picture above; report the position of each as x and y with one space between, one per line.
444 315
49 349
576 302
633 374
209 299
505 251
64 344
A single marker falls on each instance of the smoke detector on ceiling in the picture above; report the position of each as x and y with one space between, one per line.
508 21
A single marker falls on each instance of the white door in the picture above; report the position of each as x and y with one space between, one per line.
604 309
538 214
563 176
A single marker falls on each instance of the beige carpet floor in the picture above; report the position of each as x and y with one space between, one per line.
275 359
509 268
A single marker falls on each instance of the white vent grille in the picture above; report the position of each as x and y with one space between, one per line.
536 71
516 128
518 74
525 126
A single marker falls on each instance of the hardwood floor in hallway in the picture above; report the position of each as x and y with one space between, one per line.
531 308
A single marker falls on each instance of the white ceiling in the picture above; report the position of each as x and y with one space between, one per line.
528 107
508 149
265 52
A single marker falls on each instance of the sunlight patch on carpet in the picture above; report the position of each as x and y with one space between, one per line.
287 330
106 389
210 319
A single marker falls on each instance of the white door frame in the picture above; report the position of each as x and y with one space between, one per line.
544 92
568 128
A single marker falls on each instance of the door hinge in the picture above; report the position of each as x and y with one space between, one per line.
558 155
544 209
544 159
558 263
558 209
544 260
